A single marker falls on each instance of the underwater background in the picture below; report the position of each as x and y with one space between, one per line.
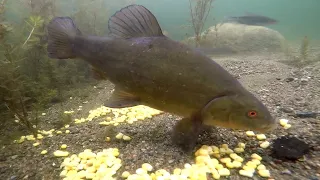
53 111
296 18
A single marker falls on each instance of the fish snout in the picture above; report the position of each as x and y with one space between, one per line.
268 127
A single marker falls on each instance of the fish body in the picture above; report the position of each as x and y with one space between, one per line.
151 69
146 64
252 19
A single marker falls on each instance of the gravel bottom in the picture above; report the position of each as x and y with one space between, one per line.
279 86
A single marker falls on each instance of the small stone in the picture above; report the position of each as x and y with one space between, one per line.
304 81
286 171
289 79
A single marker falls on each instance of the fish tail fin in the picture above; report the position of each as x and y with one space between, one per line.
61 34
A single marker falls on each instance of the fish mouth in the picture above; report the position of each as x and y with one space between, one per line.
268 128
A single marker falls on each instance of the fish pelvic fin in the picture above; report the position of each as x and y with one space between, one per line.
122 99
134 21
61 34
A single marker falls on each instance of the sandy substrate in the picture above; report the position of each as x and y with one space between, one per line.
261 74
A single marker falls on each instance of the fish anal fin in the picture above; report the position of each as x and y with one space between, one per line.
122 99
134 21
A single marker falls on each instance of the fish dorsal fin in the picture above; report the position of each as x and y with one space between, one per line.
122 99
134 21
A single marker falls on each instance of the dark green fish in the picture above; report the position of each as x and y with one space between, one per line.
252 19
150 69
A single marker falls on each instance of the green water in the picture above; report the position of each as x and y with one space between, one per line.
297 18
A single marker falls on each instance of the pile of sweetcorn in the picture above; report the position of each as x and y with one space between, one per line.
215 161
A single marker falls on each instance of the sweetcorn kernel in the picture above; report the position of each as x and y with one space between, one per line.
236 164
283 122
225 160
147 166
287 126
261 167
241 145
264 144
108 139
250 133
246 173
119 136
63 146
256 156
238 150
44 152
126 138
264 173
224 172
261 137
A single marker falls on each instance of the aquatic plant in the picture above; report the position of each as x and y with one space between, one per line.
199 11
34 22
304 48
303 58
12 87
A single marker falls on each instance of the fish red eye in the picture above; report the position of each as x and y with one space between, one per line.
252 113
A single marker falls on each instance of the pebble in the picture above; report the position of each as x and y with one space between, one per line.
286 171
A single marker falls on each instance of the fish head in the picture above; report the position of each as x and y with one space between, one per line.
244 112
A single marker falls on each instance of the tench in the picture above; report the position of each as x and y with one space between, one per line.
151 69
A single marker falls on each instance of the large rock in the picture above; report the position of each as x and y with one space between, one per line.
242 38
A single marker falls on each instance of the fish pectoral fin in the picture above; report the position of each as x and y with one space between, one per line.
134 21
187 131
122 99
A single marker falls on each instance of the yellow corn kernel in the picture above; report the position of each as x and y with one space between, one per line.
261 167
248 168
126 138
256 161
177 171
108 139
119 136
241 145
264 144
238 150
229 165
283 122
264 173
63 146
224 172
237 164
246 173
261 137
250 133
239 159
202 152
215 174
256 156
225 146
287 126
59 153
234 156
147 166
225 160
141 171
